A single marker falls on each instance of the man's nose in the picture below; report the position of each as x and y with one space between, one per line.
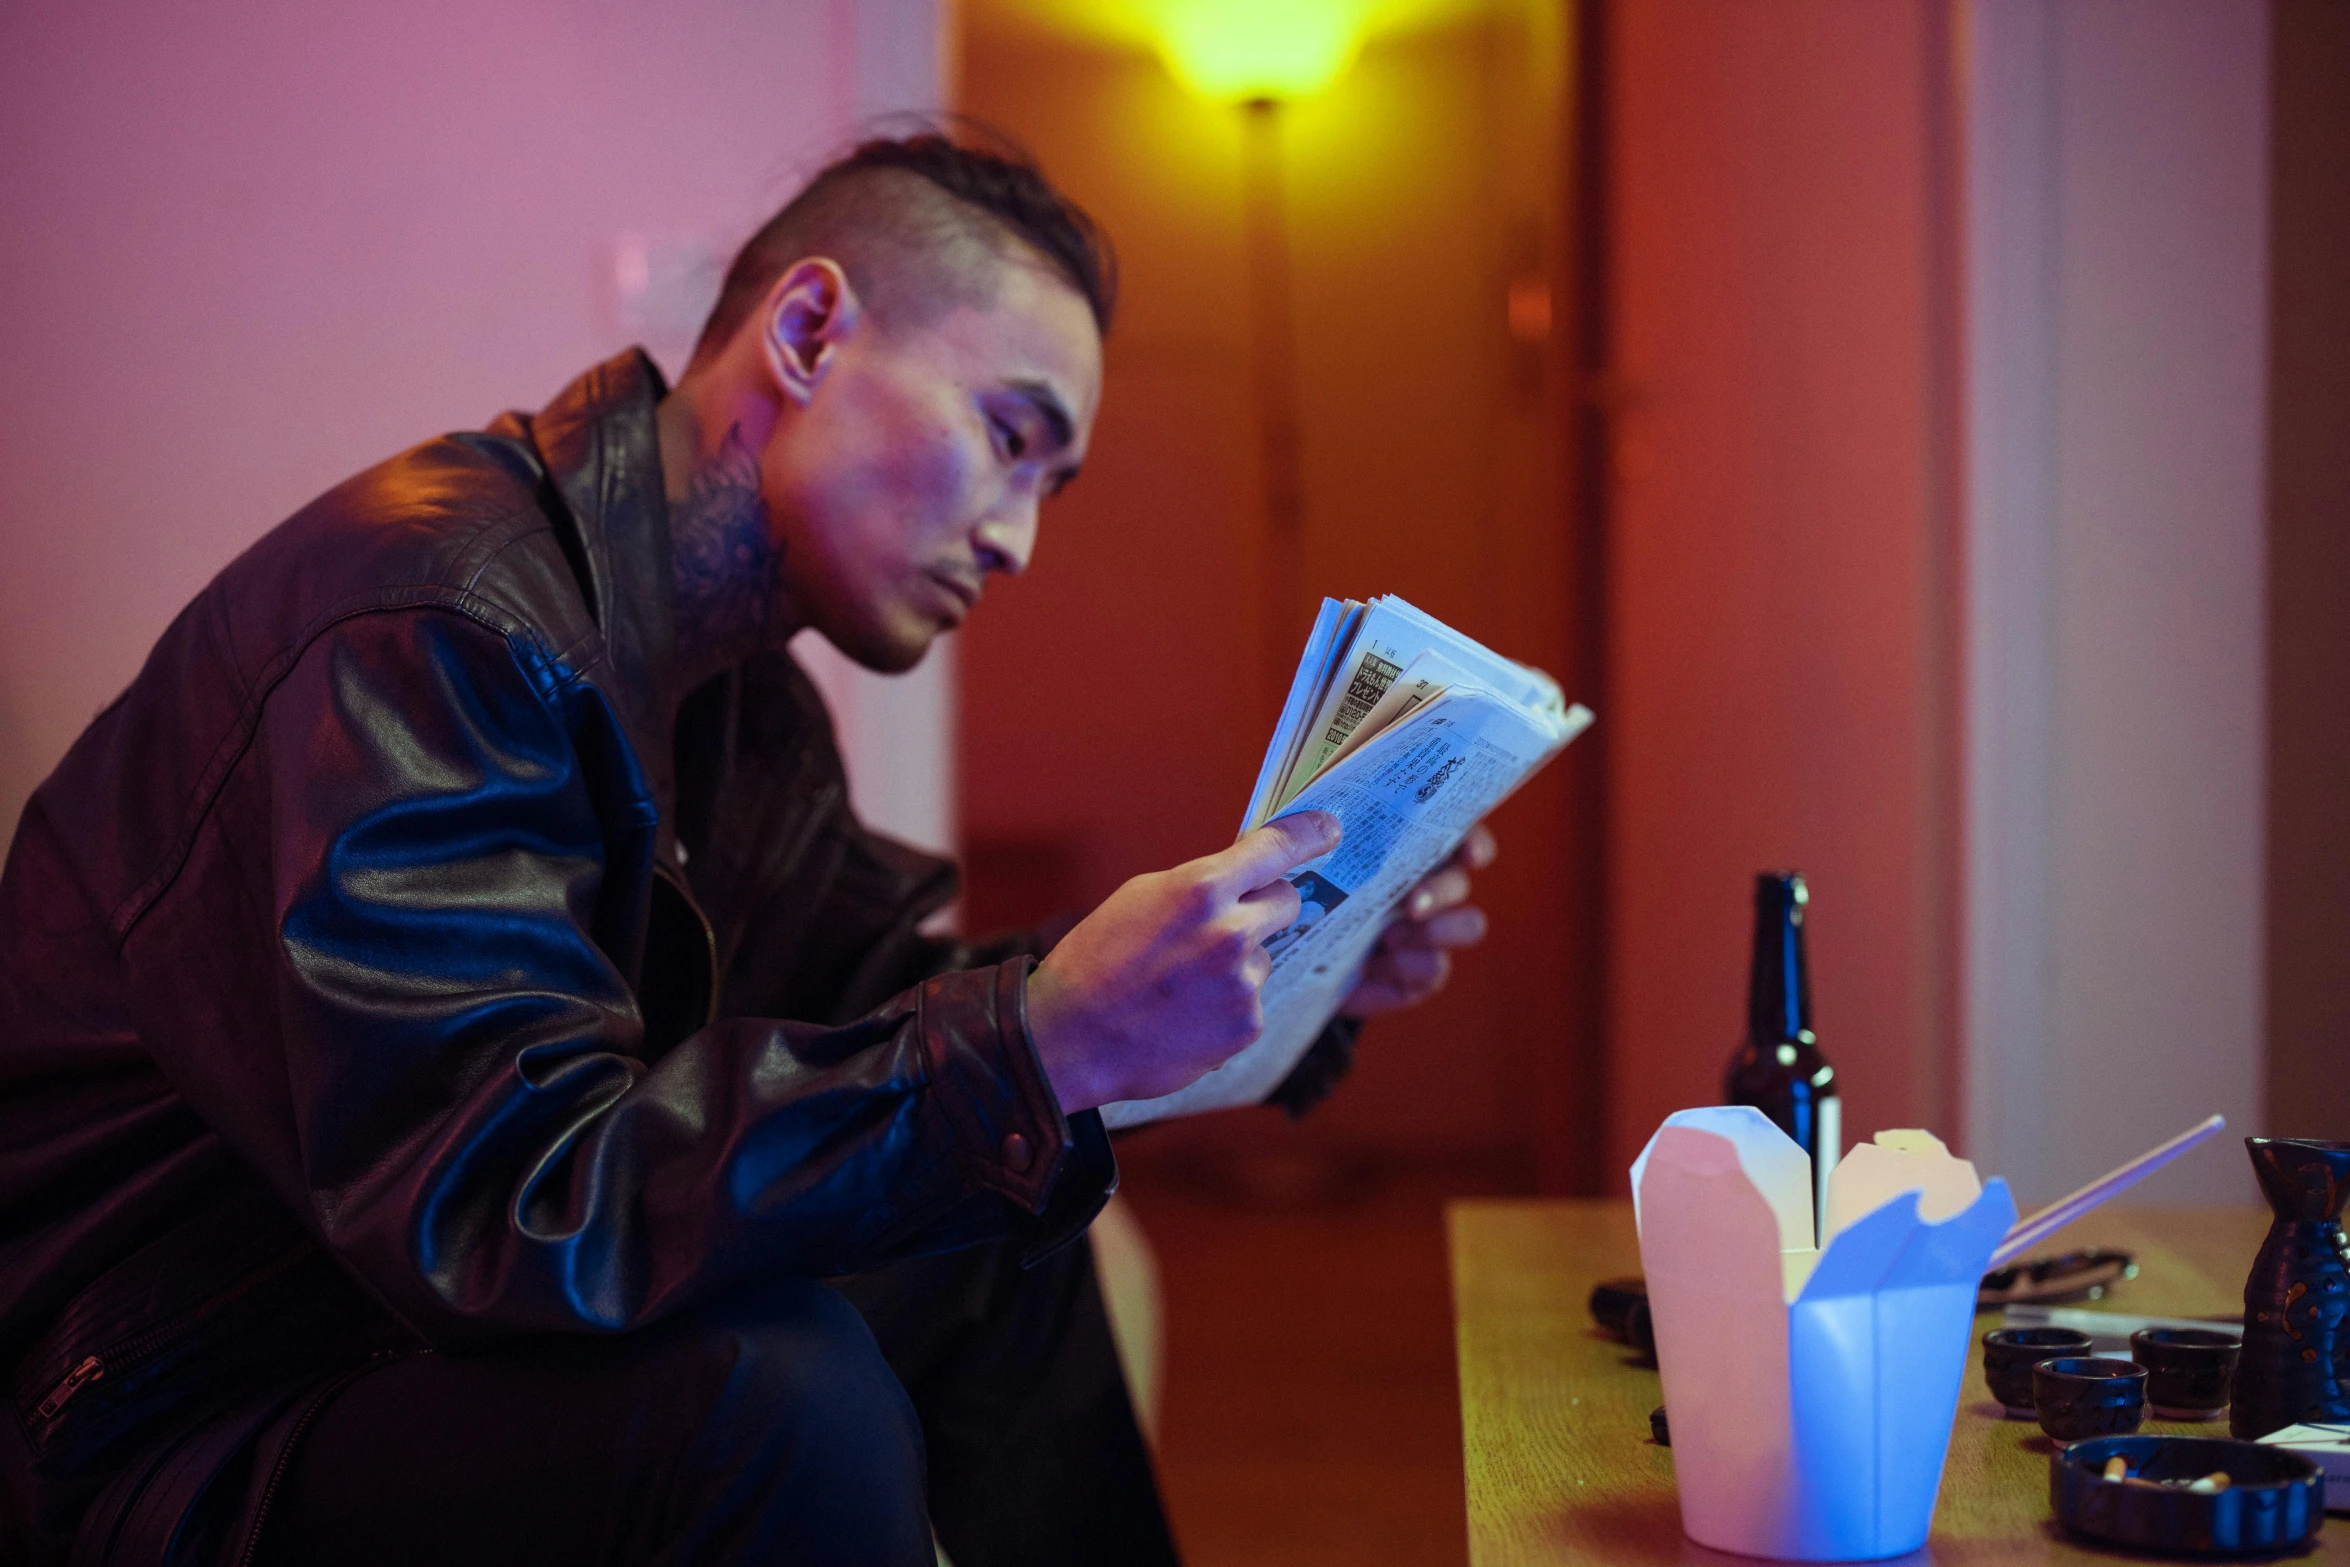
1007 542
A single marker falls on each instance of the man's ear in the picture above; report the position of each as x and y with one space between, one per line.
809 310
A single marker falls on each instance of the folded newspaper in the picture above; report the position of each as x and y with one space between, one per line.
1408 733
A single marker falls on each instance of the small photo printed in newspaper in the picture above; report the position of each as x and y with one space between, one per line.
1319 896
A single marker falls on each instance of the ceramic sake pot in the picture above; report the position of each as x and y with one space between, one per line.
2296 1355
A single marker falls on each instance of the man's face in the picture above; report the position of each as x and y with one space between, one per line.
917 464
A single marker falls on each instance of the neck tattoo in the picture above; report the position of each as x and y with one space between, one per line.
726 567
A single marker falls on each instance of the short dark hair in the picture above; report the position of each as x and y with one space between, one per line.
878 212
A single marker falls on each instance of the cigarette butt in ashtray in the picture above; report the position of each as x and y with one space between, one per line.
2117 1468
1812 1389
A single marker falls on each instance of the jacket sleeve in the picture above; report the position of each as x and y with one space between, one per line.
424 860
1316 1076
1318 1072
905 956
901 956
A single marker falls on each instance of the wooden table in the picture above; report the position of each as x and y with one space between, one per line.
1554 1415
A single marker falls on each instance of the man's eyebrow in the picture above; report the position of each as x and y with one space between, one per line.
1047 404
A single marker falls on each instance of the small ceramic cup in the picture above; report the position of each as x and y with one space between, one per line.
2187 1370
2009 1354
2078 1398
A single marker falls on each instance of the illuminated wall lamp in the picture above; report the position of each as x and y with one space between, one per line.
1262 54
1236 51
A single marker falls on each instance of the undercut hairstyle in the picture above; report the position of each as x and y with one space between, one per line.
920 224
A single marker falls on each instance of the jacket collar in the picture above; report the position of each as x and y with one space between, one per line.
602 452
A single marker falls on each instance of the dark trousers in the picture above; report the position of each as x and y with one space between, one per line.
1034 1453
779 1425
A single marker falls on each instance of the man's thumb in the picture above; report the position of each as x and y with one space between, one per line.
1278 847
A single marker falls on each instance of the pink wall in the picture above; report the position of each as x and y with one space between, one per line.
251 247
1780 671
2118 197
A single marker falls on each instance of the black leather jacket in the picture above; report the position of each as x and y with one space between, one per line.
383 949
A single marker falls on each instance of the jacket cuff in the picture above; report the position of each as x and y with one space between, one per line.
1077 1200
1330 1057
989 1083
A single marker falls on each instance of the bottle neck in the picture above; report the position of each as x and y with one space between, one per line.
1778 994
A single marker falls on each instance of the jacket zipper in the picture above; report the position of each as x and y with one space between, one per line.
90 1370
285 1456
139 1346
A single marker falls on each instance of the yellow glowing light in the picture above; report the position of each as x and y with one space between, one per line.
1241 49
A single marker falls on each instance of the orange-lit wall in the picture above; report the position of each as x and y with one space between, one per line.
1781 661
1116 701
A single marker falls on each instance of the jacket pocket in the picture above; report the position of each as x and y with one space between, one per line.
234 1298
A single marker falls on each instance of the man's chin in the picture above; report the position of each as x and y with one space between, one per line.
890 651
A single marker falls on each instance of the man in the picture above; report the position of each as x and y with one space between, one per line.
450 1022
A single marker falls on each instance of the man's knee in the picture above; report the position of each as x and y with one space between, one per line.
796 1360
806 1447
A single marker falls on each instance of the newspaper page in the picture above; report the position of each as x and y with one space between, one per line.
1428 677
1404 799
1388 637
1323 645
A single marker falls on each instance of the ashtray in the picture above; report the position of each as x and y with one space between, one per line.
2273 1500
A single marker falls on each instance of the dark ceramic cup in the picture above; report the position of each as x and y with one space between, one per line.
2187 1370
2081 1398
2009 1354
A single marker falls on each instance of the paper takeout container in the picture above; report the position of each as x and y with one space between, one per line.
1811 1391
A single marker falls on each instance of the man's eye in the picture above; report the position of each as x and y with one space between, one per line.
1014 442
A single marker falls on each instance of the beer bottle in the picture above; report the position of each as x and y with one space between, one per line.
1778 1068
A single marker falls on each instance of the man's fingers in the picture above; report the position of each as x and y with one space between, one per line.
1273 850
1270 909
1461 927
1448 884
1478 848
1441 890
1395 979
1412 968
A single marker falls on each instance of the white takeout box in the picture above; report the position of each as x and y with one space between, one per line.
1811 1393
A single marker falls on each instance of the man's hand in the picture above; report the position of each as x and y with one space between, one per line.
1414 955
1160 984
